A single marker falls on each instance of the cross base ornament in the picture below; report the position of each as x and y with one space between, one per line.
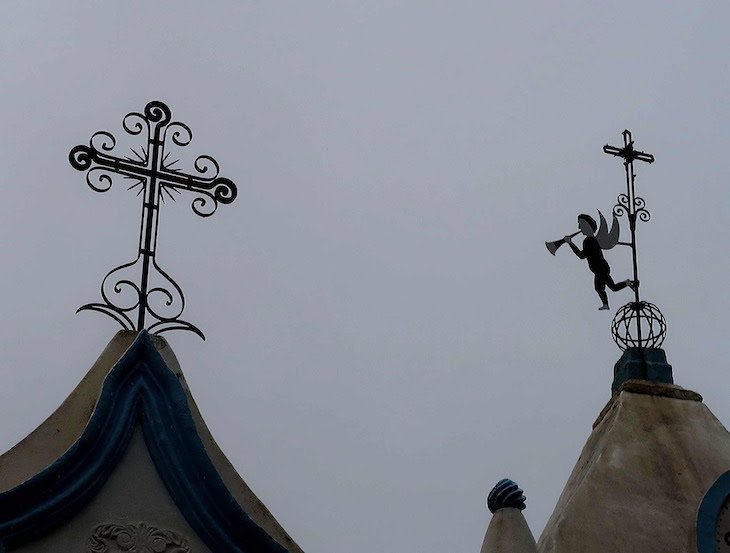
140 294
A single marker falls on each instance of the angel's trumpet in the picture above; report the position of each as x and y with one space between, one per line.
553 246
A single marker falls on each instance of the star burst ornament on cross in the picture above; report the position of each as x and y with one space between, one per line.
140 294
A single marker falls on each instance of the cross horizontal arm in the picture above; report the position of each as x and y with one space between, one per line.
83 158
643 156
187 182
222 189
613 150
628 153
174 179
121 166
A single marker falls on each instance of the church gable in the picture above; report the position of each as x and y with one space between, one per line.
142 408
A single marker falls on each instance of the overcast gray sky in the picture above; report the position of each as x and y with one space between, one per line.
387 335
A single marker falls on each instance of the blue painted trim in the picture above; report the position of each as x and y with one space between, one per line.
708 512
140 389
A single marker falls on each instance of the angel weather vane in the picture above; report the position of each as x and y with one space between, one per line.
134 293
638 323
596 239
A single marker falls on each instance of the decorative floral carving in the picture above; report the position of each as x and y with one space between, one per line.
136 538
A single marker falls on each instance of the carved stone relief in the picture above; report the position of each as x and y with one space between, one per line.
136 538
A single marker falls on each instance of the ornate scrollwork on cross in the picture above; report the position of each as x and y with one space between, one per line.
140 290
639 211
136 538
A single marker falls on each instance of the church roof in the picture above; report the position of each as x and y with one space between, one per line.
125 449
654 452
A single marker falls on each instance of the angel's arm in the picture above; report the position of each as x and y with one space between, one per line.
576 251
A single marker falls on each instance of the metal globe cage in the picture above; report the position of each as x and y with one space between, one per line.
639 324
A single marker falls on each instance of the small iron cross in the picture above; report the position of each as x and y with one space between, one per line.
140 290
630 204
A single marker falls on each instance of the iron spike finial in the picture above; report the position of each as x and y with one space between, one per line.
140 294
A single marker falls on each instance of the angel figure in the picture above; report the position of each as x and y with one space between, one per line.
594 242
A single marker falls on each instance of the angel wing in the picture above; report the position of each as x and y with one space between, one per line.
607 239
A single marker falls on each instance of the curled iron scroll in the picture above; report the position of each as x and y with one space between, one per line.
623 204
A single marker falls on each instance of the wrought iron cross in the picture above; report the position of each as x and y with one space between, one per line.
139 291
630 204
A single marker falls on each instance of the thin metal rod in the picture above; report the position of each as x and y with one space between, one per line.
629 166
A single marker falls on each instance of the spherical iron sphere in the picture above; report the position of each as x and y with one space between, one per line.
634 316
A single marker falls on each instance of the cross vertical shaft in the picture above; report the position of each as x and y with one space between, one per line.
150 222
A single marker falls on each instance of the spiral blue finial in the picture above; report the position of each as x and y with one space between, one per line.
506 494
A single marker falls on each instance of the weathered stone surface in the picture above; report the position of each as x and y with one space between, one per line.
508 532
641 476
134 493
62 428
651 389
243 494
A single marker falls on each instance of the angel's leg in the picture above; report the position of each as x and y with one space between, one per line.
599 283
613 286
